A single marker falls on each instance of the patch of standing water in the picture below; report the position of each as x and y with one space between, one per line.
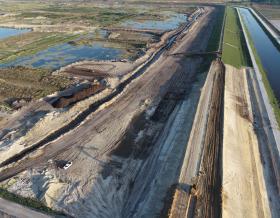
171 23
7 32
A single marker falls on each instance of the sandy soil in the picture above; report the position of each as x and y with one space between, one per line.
103 182
40 123
95 69
244 192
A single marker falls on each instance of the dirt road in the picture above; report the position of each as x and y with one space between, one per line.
244 191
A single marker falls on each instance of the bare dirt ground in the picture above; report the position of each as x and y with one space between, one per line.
244 191
94 69
120 151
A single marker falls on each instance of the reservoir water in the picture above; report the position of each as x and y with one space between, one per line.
266 49
7 32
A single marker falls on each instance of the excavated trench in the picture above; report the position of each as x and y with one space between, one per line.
71 99
90 74
206 193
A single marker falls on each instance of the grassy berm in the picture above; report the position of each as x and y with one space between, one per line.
19 83
234 46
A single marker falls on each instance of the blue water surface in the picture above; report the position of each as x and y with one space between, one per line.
7 32
63 54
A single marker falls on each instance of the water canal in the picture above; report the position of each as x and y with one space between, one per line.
266 49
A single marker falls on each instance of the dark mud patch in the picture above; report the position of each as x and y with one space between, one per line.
128 146
164 109
78 96
91 74
167 201
242 108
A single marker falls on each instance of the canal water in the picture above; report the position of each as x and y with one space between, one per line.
267 51
7 32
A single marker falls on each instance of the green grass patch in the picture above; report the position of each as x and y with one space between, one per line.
234 45
28 202
38 45
87 14
28 83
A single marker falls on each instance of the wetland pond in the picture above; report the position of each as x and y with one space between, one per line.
57 56
7 32
266 49
174 21
64 54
